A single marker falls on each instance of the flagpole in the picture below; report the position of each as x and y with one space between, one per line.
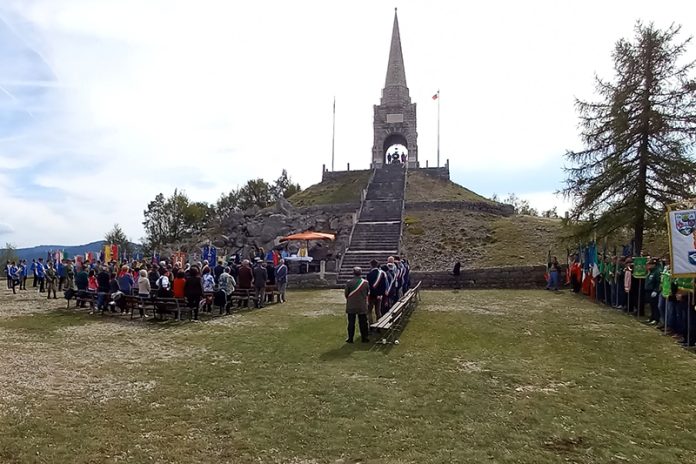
438 128
333 134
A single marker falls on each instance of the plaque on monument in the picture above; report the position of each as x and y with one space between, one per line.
394 118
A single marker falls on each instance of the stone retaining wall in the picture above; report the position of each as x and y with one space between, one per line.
494 277
463 205
440 173
335 209
313 280
326 175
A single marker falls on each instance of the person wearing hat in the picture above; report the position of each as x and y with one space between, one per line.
356 293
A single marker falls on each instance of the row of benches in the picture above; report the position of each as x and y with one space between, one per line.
398 314
175 306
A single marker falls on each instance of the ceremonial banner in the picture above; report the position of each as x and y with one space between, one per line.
640 267
107 254
682 242
114 252
209 254
179 257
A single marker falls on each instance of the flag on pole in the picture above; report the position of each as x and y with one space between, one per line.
437 95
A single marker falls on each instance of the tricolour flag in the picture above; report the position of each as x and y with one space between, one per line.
436 96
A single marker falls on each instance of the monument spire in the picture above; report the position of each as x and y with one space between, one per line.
396 73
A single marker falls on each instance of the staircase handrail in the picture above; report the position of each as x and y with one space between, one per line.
403 204
356 217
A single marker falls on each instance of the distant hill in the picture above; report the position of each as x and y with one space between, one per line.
41 251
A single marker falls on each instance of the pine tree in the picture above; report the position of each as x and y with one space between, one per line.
638 137
116 236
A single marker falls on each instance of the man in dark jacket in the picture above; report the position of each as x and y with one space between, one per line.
378 285
103 287
260 278
356 292
281 273
245 275
193 291
217 271
81 283
652 288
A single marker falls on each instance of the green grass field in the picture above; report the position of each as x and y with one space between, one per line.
478 376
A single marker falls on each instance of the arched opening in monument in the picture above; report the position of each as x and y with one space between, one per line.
395 149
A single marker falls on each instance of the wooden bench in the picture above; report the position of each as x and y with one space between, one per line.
134 302
83 296
173 306
243 295
272 293
400 311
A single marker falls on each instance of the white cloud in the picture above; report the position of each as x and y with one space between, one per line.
132 97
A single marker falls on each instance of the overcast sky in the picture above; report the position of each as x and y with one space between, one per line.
105 103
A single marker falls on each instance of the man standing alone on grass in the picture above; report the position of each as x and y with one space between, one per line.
356 293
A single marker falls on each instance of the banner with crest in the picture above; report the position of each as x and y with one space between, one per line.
682 242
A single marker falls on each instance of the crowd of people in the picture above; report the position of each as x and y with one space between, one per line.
201 284
611 281
367 299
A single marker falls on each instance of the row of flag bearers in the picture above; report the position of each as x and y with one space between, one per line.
631 284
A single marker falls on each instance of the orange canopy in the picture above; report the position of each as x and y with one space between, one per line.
309 235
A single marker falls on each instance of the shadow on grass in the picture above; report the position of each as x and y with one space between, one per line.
48 321
345 351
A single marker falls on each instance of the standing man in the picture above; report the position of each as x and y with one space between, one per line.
33 272
69 275
651 290
378 285
13 273
226 284
24 275
281 275
356 293
260 278
245 279
8 268
217 271
51 280
40 274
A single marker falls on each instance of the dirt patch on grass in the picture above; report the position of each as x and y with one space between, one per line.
27 302
469 367
320 312
465 307
552 387
53 360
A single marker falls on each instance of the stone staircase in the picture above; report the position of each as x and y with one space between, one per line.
377 233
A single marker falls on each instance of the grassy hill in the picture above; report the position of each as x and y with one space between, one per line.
344 188
423 187
435 240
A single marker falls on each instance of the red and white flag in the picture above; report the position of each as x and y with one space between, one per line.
437 95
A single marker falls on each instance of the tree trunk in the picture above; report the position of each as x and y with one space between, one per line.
643 151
